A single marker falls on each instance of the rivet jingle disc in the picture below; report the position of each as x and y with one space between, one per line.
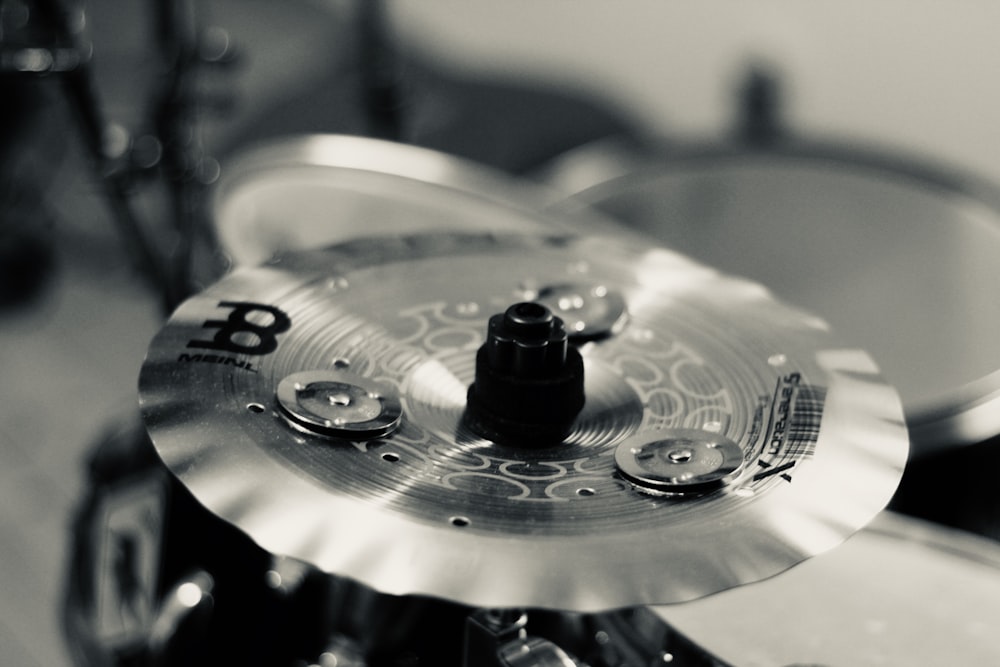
339 404
589 311
679 460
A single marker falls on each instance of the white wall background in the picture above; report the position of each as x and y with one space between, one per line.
920 76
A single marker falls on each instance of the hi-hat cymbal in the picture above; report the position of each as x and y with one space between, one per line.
319 404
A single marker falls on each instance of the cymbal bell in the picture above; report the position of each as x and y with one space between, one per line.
319 403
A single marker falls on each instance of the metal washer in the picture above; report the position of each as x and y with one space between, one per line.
589 311
678 461
339 404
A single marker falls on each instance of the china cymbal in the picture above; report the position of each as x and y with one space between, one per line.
321 403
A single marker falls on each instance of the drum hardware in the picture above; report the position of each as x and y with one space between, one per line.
759 121
382 96
27 255
497 638
188 53
339 404
590 312
39 38
528 387
181 620
679 461
48 41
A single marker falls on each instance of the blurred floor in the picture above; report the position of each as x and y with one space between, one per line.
68 364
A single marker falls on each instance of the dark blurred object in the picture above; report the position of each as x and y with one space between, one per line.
954 488
26 256
188 52
759 122
42 44
380 74
514 125
29 155
509 124
140 541
387 91
26 246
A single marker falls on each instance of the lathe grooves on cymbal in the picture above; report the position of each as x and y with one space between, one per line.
434 508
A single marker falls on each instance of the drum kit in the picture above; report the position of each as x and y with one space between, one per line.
431 414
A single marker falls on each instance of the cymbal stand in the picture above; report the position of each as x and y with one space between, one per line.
173 149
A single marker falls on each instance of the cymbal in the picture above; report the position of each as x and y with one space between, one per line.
319 403
315 190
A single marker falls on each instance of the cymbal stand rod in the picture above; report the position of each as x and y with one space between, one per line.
379 77
175 109
76 79
116 180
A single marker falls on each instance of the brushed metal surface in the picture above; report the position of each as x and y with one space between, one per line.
433 509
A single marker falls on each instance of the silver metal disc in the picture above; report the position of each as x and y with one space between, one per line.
339 404
679 461
589 311
434 509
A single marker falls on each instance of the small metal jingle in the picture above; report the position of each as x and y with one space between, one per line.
589 311
339 404
678 461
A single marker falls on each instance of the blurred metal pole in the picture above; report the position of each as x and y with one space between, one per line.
77 81
381 94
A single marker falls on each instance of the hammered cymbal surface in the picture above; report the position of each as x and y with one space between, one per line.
431 508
